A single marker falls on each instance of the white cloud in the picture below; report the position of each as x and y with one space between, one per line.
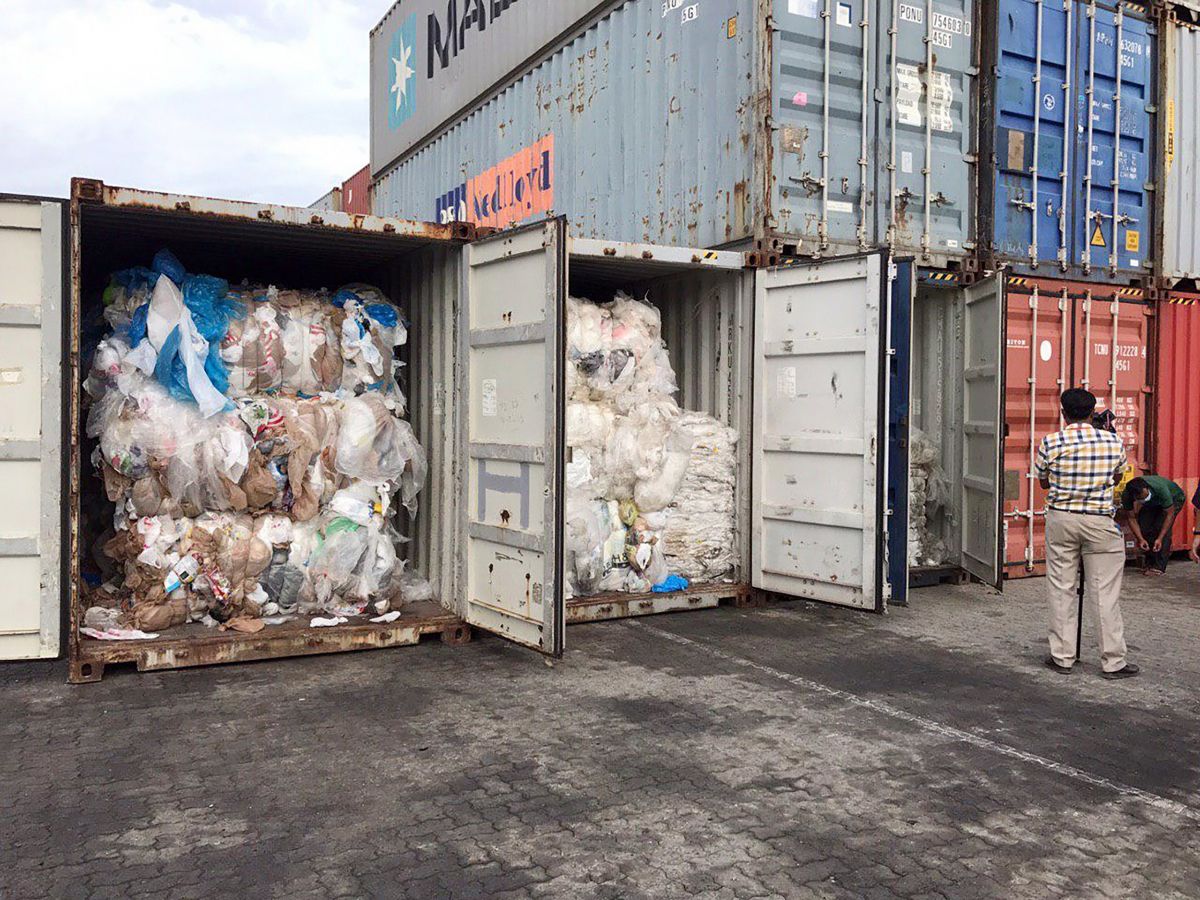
257 101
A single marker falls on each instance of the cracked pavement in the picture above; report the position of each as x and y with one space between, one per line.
796 751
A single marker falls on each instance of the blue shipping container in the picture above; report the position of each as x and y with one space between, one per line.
1058 91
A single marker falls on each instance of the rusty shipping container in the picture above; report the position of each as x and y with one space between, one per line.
356 193
1175 436
485 358
1064 334
817 127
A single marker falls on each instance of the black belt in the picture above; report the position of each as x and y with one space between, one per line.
1077 512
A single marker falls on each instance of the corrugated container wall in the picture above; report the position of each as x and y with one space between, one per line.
787 121
330 201
1063 334
1051 204
1181 144
1177 403
642 128
356 193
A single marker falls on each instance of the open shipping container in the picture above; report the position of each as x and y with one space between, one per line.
815 127
809 362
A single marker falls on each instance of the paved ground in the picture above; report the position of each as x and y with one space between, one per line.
791 751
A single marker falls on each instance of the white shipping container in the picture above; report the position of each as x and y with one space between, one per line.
1181 172
31 297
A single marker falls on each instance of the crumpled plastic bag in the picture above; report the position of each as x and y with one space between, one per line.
377 447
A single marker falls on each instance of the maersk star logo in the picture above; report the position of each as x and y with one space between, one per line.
403 70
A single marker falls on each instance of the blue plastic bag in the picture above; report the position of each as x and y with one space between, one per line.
340 298
383 313
137 325
670 584
171 372
207 299
167 263
134 279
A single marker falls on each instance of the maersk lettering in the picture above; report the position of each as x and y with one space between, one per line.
446 42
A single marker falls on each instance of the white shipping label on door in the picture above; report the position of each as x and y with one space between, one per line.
809 8
941 96
906 161
908 95
840 206
785 382
843 15
487 398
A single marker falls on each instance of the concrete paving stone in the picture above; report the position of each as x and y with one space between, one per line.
795 750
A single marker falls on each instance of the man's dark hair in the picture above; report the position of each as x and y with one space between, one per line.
1133 490
1078 404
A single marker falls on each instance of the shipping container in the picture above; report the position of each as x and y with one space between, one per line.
957 384
1181 146
31 437
330 201
813 386
356 193
1060 335
430 59
1051 205
814 127
1175 435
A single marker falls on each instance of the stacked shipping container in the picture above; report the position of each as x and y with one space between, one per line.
1062 334
1020 134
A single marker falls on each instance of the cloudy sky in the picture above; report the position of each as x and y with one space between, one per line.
247 99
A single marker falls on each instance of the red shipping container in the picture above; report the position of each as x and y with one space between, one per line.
1061 334
1176 431
356 193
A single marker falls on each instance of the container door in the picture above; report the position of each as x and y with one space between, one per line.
820 458
511 348
31 298
1113 225
983 430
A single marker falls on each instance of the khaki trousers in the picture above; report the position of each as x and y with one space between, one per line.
1098 541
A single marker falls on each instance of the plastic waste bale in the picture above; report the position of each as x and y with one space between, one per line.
218 416
376 446
626 446
928 496
699 541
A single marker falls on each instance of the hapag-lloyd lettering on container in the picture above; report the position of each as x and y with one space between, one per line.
517 188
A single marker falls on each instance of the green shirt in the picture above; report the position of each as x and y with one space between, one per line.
1164 493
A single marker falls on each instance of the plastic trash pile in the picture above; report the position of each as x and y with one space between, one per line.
252 442
928 496
649 486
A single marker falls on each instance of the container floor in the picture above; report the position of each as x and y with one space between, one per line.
196 645
617 605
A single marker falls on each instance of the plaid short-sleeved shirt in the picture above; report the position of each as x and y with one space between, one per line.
1080 462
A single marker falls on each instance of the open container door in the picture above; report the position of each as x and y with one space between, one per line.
511 383
31 439
821 411
983 430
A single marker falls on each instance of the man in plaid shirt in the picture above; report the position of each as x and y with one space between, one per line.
1079 466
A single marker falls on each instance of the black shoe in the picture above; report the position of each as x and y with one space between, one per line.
1127 671
1051 663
